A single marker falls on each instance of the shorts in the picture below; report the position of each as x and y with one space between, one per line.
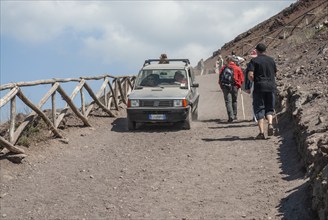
263 104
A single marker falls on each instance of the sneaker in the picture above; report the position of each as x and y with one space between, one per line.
230 120
260 136
270 130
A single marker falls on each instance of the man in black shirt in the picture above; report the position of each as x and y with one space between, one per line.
262 71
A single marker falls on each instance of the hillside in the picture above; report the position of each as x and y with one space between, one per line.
297 38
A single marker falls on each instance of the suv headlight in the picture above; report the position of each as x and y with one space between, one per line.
180 103
133 103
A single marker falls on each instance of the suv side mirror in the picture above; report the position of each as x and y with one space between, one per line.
195 85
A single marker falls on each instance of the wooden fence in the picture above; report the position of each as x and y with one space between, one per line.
112 92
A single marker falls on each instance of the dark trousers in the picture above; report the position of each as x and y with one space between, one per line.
263 104
230 98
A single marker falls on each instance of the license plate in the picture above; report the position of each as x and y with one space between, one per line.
157 117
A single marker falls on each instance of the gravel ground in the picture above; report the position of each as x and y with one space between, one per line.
215 170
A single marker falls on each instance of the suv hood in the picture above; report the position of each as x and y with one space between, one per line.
159 93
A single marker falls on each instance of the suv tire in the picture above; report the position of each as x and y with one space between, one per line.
195 114
131 125
187 123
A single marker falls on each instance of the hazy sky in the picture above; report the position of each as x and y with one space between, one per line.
63 39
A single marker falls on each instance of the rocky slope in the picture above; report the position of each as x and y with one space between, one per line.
297 38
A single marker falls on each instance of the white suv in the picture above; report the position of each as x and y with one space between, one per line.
164 93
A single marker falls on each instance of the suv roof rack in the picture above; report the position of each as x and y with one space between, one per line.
186 61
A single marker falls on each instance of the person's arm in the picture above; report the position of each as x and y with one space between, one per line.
247 82
250 73
239 77
251 76
242 78
222 69
220 72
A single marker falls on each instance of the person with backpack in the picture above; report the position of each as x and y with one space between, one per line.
230 80
262 72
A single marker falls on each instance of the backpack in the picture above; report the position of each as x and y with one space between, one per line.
227 79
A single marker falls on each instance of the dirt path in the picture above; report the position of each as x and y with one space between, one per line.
214 171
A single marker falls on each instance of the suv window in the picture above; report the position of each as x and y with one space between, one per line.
162 77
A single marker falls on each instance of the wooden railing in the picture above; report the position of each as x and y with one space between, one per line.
112 92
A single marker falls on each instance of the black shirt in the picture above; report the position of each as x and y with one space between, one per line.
264 69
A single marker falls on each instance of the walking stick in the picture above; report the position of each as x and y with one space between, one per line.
242 102
252 89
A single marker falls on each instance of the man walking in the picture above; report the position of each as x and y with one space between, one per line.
218 64
262 72
230 80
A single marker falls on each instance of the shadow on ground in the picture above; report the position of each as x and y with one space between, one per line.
229 138
297 205
120 125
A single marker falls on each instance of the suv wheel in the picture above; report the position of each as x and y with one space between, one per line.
195 114
131 124
187 122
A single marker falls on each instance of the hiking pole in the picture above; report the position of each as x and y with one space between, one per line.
251 93
242 102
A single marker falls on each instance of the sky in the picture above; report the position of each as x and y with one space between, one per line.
64 39
68 39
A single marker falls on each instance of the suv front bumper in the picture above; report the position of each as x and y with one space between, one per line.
157 115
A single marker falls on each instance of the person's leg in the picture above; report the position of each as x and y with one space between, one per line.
269 118
228 103
259 111
269 103
261 125
234 95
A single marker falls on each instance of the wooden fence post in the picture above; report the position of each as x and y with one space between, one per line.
39 112
105 94
53 103
70 102
95 98
12 119
10 146
82 102
114 93
126 88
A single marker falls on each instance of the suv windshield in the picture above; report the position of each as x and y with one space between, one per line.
162 78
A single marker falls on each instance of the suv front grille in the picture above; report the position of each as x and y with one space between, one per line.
156 103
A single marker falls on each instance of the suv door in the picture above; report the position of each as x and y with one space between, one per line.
194 94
